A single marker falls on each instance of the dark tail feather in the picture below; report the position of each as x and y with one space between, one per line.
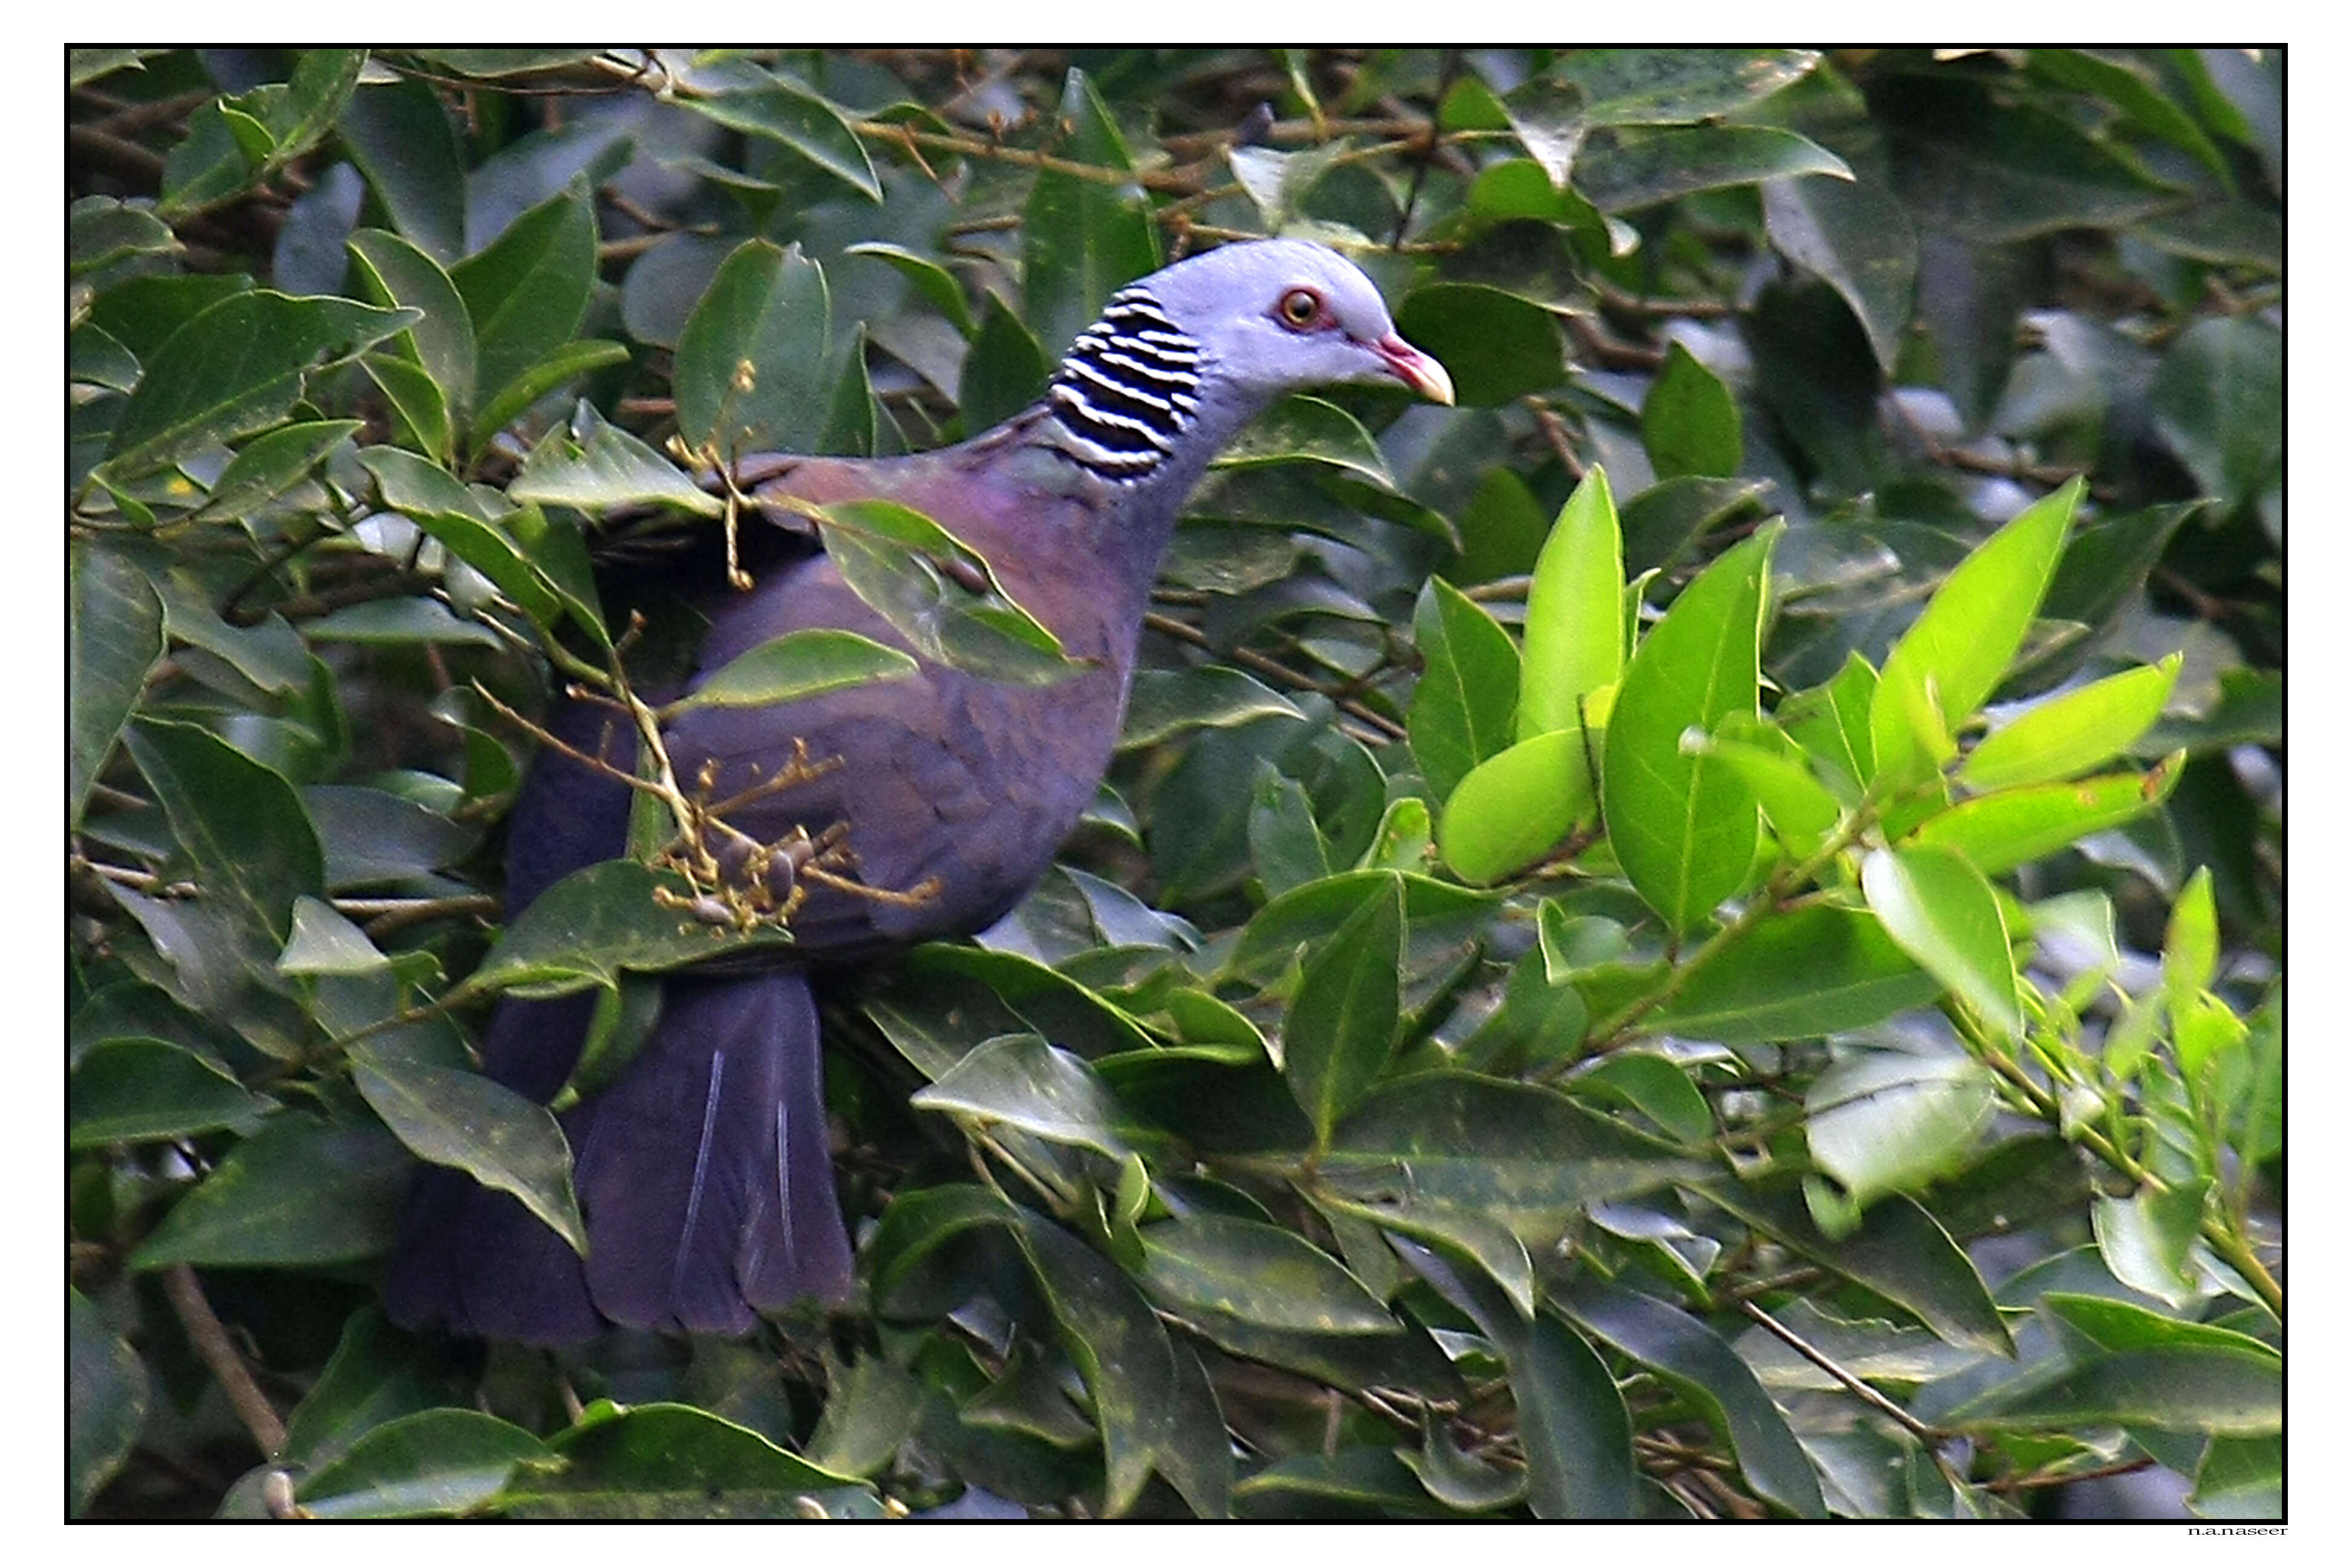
703 1175
705 1172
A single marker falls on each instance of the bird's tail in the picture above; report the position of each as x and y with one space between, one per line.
703 1175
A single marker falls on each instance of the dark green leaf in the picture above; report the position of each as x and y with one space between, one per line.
661 1460
2219 403
1628 171
1498 346
235 368
1465 704
114 634
793 117
1019 1080
595 466
301 1191
1704 1370
1164 704
526 292
1816 970
1341 1025
1856 239
796 665
1082 238
431 1462
1120 1351
134 1091
1690 425
106 1401
752 354
400 136
1678 86
1259 1274
467 1121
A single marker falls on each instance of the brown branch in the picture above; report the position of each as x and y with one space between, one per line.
219 1353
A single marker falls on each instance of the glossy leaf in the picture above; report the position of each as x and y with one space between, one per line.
1511 808
1998 832
1888 1121
594 924
756 343
796 665
1940 910
1082 238
114 636
1575 623
1704 1370
1259 1274
1858 240
1019 1080
134 1091
1962 644
1816 970
1684 827
480 1127
1690 424
1342 1023
2217 403
303 1191
2072 733
1627 172
394 271
789 114
107 1394
431 1462
526 292
1120 1351
234 368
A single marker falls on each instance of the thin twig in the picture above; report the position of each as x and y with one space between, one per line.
219 1353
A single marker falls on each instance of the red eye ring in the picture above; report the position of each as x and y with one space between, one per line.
1299 309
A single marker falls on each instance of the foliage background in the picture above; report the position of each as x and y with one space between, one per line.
359 348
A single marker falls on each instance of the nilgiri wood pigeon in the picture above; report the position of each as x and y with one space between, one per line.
703 1170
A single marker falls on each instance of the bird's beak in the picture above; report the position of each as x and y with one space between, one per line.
1416 369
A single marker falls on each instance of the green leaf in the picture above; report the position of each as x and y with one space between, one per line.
1941 910
1810 971
1998 832
793 666
106 1401
1677 85
1284 844
2146 1240
594 924
303 1191
2219 402
240 823
1898 1251
933 282
1704 1371
1120 1351
527 291
1499 345
2192 943
1658 1088
102 230
1524 1156
564 364
1887 1121
429 1462
1083 238
2210 1390
430 497
135 1091
273 463
1573 1424
1858 240
651 1461
885 552
234 368
465 1120
594 467
1684 827
1510 809
1259 1274
1998 170
1019 1080
792 116
1313 912
114 636
2242 1477
421 412
1005 370
756 346
1690 423
2072 733
1341 1025
1575 628
1626 170
401 137
1164 704
1962 644
1798 807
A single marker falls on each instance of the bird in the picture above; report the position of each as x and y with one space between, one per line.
703 1170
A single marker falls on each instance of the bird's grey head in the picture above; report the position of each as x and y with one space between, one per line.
1181 359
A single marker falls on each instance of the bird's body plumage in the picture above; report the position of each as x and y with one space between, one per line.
703 1173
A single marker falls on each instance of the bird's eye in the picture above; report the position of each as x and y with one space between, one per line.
1299 309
